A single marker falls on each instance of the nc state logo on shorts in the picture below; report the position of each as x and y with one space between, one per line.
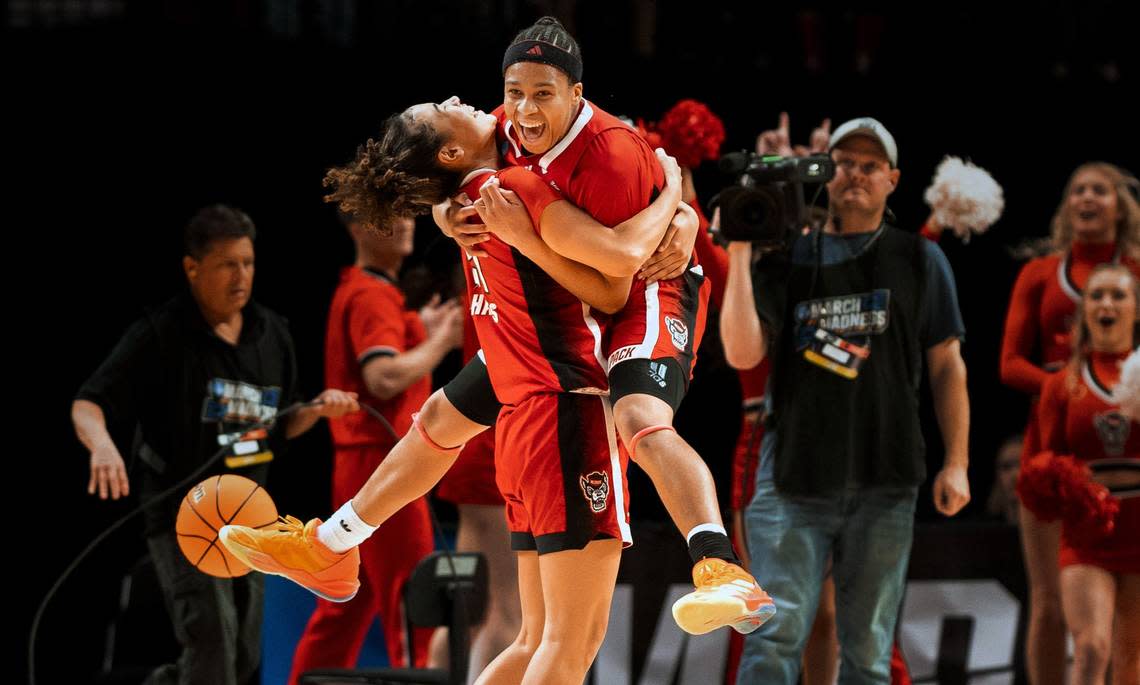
596 488
678 331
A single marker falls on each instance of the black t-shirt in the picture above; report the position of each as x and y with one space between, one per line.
847 345
190 393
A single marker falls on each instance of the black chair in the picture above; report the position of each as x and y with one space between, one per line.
444 590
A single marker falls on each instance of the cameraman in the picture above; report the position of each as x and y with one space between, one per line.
848 314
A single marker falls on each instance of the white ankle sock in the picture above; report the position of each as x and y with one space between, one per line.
344 529
705 528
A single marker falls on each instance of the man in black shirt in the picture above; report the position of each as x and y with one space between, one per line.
849 316
193 375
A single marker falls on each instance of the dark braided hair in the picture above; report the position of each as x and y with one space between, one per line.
550 30
398 175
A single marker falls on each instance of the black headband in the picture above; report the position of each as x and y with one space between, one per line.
544 53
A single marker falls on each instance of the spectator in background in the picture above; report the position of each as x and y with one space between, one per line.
1097 221
195 354
843 457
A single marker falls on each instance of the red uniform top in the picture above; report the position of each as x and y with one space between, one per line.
367 319
1082 420
601 165
536 337
1041 309
753 381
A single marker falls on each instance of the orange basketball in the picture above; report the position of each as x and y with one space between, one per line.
211 504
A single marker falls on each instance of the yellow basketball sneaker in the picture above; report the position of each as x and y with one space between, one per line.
291 549
726 595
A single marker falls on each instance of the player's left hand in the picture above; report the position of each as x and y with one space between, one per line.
951 490
672 256
336 403
505 215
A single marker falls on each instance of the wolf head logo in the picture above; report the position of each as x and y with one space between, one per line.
596 488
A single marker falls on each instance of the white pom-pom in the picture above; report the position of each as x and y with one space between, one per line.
1127 390
964 198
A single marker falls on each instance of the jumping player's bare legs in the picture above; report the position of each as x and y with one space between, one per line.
681 477
414 466
323 557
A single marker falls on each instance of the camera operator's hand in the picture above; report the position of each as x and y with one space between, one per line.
951 489
672 256
451 216
776 141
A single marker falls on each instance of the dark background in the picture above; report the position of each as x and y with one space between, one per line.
125 117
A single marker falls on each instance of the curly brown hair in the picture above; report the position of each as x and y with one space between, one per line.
396 175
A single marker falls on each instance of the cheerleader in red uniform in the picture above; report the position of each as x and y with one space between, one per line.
1097 221
1099 572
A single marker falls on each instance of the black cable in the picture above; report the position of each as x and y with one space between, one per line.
179 487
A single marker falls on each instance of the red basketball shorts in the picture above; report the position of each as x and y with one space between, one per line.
560 470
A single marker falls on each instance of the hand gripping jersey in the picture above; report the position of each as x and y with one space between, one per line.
534 335
605 168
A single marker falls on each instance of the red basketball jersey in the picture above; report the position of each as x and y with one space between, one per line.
367 319
536 337
601 165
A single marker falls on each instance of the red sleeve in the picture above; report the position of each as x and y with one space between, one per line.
930 232
376 324
1052 412
712 257
535 193
616 177
1021 335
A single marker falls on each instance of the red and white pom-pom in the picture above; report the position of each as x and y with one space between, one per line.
690 132
1059 487
964 198
1127 390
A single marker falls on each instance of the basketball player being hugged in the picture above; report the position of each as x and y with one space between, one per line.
193 374
604 167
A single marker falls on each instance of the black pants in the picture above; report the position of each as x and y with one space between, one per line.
216 621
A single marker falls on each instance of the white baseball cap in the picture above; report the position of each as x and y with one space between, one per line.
872 128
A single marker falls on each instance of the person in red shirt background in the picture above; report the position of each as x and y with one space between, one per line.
1097 221
378 349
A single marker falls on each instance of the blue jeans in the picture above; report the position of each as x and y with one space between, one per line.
866 533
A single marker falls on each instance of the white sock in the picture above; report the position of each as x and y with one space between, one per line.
344 530
705 528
